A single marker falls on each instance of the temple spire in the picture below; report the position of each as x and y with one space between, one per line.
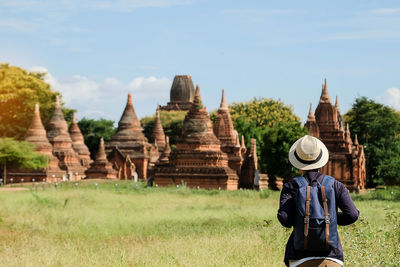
242 145
158 135
197 98
36 133
310 116
129 99
356 140
223 101
325 98
101 153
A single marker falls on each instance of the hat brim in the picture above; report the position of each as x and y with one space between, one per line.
305 167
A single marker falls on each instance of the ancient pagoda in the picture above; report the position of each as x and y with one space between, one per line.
346 158
158 136
78 143
58 135
197 160
36 135
101 167
181 94
129 146
224 131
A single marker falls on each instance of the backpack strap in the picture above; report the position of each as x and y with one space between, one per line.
307 217
327 180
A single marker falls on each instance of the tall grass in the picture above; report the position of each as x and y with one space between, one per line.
130 225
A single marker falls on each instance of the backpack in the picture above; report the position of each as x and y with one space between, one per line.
315 227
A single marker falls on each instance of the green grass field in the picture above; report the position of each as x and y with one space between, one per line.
131 225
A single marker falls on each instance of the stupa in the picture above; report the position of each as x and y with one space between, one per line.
101 167
78 143
346 158
57 133
36 135
181 94
129 140
158 136
229 138
197 160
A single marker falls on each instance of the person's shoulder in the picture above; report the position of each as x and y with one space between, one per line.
291 184
337 185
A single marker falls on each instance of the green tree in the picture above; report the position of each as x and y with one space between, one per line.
275 127
20 90
93 130
19 154
377 127
172 122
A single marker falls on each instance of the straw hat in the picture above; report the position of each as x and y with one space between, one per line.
308 153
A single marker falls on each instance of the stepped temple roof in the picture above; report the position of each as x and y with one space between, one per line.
223 126
101 167
158 135
58 135
129 130
346 159
57 128
36 134
197 160
129 140
78 142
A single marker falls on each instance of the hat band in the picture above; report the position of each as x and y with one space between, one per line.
308 161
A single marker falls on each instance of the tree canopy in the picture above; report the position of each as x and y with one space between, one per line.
275 127
172 122
20 154
377 127
20 90
92 130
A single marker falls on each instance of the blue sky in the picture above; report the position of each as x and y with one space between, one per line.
97 51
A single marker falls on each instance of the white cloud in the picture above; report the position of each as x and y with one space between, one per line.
386 11
150 87
114 5
105 98
391 97
16 24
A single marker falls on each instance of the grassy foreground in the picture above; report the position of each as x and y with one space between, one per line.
129 225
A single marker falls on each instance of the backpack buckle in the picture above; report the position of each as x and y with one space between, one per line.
306 220
327 220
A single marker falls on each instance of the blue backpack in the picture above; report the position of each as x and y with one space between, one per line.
315 226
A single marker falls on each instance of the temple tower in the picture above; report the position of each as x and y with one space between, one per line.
36 135
78 143
181 94
346 160
197 160
224 131
129 140
311 123
101 167
57 133
158 136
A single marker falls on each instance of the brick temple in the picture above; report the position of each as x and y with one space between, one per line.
197 160
68 156
59 137
78 143
181 94
158 135
346 158
129 150
239 159
36 135
101 167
